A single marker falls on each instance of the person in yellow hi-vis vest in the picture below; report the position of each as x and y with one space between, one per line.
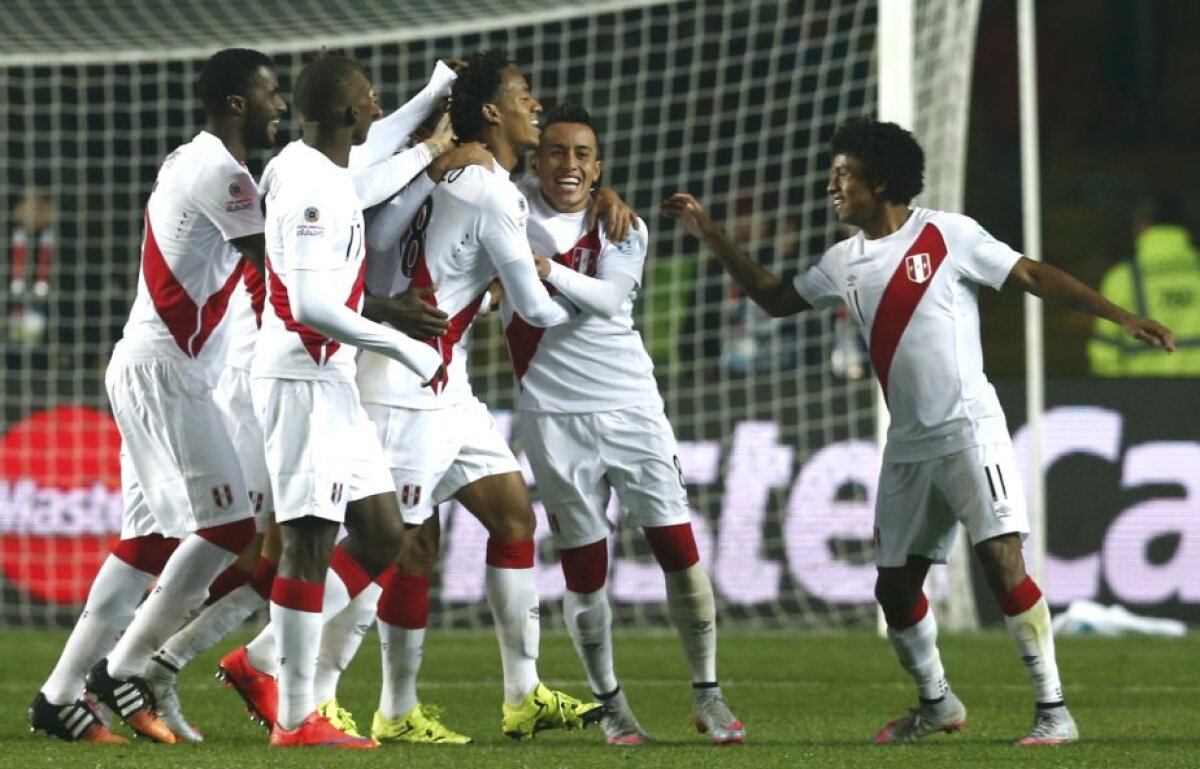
1162 280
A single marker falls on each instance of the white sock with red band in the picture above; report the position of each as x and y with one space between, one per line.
915 640
512 597
296 615
1028 619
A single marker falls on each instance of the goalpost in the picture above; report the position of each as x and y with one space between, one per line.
732 100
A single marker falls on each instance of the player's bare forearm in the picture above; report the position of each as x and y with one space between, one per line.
1048 282
777 297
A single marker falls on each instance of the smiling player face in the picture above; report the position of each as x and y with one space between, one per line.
567 165
518 110
264 107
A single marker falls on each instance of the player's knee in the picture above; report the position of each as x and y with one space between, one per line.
585 569
674 547
419 552
512 525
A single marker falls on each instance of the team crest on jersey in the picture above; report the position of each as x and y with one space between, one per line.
583 260
918 268
311 214
235 190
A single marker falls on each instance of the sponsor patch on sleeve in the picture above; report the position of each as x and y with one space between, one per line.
241 196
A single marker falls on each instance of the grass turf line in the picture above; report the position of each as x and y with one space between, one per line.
809 700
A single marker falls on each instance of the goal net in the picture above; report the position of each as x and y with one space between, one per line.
732 100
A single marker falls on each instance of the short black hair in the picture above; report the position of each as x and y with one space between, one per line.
477 85
322 88
889 155
566 112
230 72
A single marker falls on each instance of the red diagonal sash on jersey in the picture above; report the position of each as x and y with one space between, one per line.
320 347
458 326
523 338
900 298
190 325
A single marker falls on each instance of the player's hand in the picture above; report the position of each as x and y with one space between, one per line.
496 291
618 218
1151 332
690 213
410 312
543 266
469 154
441 139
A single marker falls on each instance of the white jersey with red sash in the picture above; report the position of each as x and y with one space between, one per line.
590 363
202 199
473 221
914 296
314 222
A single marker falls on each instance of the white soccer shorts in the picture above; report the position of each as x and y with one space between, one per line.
433 453
178 467
580 459
320 447
919 503
233 398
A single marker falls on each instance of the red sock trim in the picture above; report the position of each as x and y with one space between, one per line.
225 583
510 555
148 553
1022 598
905 620
585 568
264 577
673 546
405 601
230 536
350 571
298 594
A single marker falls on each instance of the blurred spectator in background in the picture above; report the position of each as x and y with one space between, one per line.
29 281
1161 280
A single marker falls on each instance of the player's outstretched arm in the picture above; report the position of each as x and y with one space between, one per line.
390 134
1048 282
778 297
311 305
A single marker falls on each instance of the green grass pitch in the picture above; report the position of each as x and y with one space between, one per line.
809 700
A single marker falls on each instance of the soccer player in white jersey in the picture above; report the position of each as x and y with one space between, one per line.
909 277
326 465
202 220
377 168
592 422
442 442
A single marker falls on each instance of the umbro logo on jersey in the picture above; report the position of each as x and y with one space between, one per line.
1001 510
917 267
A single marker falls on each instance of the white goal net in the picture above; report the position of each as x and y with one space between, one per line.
732 100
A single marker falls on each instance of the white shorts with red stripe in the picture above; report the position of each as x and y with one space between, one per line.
580 459
433 453
237 407
320 447
178 466
919 504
